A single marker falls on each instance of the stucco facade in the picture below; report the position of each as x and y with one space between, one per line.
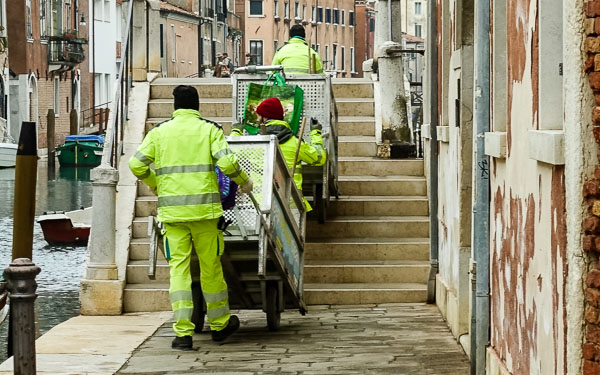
330 29
541 107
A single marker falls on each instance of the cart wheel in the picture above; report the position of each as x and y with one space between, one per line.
320 204
273 313
199 312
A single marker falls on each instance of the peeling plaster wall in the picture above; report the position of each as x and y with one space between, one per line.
527 223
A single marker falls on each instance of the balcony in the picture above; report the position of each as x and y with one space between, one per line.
65 51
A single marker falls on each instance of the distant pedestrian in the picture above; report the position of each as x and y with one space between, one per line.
250 60
185 151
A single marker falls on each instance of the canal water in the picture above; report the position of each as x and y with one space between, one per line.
63 189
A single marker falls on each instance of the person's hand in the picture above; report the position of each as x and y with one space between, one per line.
314 124
238 126
247 187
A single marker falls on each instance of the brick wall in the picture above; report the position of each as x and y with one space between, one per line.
46 102
591 192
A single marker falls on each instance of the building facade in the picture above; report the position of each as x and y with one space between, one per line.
330 30
364 37
48 67
414 18
511 114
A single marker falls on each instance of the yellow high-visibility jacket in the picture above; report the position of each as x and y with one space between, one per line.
185 151
311 154
294 57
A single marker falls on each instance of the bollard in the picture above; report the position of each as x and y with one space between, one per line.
25 183
21 284
50 136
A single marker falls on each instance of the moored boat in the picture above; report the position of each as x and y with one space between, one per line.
66 228
8 155
81 151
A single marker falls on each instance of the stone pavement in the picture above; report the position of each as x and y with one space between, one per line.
365 339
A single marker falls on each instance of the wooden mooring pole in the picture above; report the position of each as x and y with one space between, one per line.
51 119
22 271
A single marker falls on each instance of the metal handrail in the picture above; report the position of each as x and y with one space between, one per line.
118 107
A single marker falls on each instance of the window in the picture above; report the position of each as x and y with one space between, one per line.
161 32
297 10
29 27
43 19
343 17
173 57
418 30
3 24
56 24
275 45
352 65
327 15
371 24
107 4
343 58
286 10
313 14
351 20
326 60
56 96
256 50
276 11
499 69
418 8
550 93
318 49
98 9
336 16
334 57
319 14
256 8
304 12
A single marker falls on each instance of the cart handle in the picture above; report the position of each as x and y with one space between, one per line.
253 69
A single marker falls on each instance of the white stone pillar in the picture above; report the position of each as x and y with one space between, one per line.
392 95
101 291
384 19
154 62
139 63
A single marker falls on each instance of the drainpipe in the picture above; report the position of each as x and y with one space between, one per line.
481 212
432 63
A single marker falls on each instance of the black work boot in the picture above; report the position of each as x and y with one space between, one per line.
232 326
182 343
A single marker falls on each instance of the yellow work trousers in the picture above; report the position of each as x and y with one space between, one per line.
207 239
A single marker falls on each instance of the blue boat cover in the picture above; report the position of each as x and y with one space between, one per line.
84 138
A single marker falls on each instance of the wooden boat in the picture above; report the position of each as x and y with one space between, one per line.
66 228
81 151
8 155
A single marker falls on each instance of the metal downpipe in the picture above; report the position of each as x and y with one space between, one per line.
432 63
481 212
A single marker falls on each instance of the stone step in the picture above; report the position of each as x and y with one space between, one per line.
365 271
366 248
365 226
140 227
382 186
356 126
372 166
144 190
357 146
379 205
352 88
146 297
137 272
162 88
364 293
225 122
209 108
146 206
138 249
356 106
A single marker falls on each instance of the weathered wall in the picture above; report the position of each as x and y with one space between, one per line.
528 222
454 170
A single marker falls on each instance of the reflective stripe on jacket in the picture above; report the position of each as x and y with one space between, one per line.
185 151
294 57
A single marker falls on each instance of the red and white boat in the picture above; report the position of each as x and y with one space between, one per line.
67 228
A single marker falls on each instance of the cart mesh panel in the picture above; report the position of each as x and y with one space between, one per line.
252 160
316 103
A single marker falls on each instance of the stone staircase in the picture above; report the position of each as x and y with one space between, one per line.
374 248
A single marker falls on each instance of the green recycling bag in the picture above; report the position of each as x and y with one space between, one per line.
291 97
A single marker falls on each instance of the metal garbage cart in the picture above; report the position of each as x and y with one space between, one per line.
320 183
263 259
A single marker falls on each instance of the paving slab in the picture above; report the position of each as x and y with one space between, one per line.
374 339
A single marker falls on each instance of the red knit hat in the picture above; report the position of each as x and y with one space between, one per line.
270 108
